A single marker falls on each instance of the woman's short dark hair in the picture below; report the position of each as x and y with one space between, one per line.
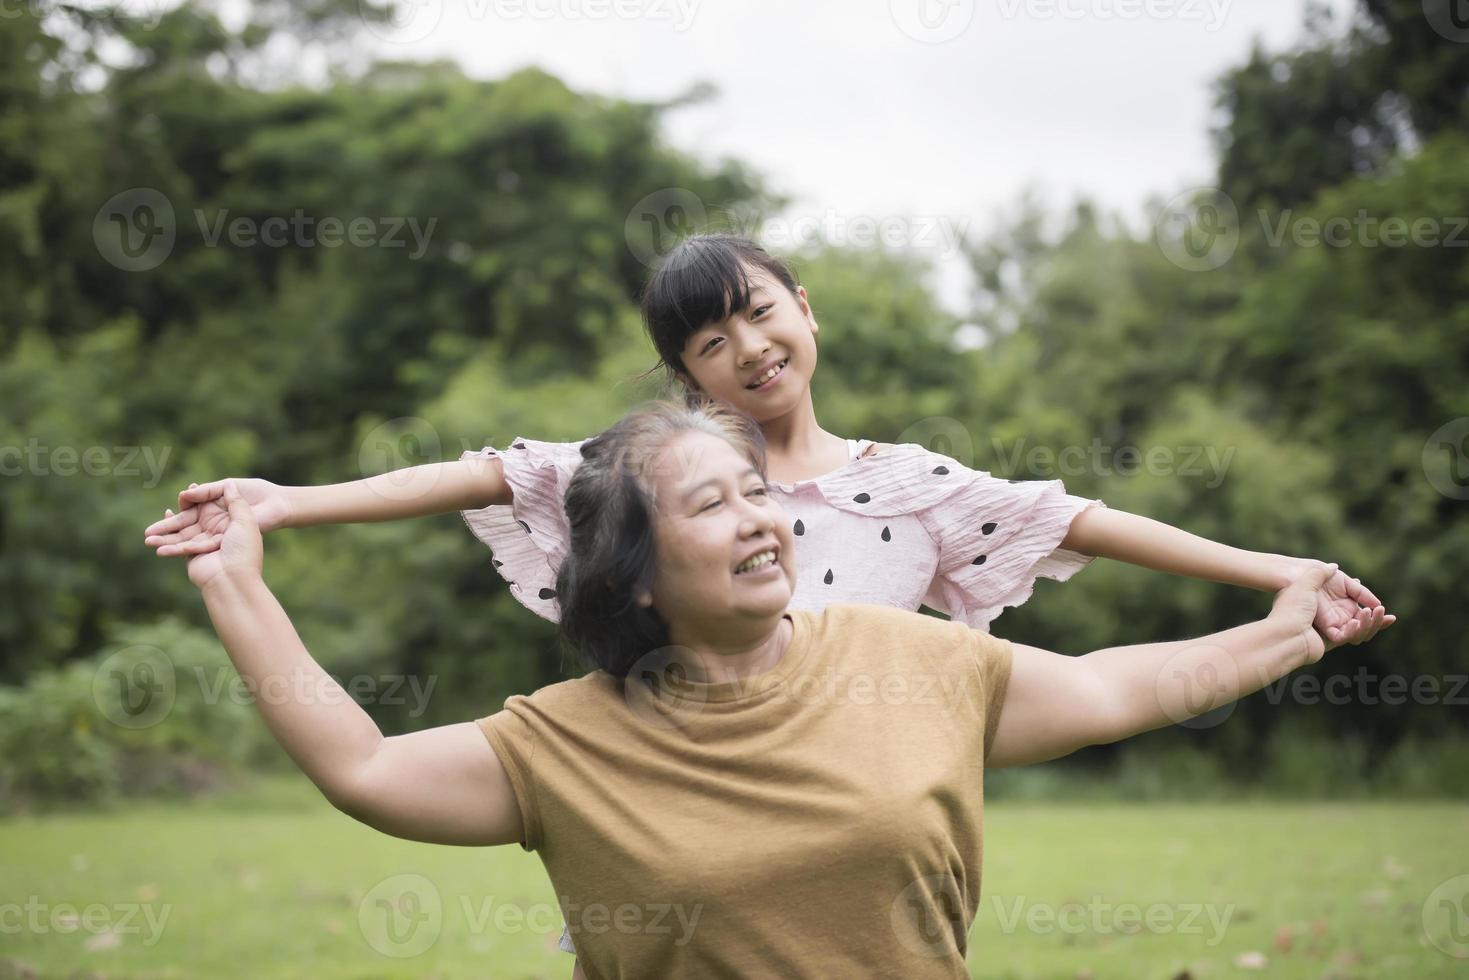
610 506
702 279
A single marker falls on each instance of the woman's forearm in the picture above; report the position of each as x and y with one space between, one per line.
1108 533
1152 685
414 491
326 732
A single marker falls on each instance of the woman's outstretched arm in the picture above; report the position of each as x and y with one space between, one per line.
1056 704
414 491
1115 534
444 785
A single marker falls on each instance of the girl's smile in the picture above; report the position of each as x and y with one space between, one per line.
769 381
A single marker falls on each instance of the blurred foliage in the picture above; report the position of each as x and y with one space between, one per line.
1301 382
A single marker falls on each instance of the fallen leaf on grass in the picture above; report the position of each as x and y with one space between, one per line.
1253 960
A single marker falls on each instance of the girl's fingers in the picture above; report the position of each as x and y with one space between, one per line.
1363 595
173 522
178 537
197 493
202 544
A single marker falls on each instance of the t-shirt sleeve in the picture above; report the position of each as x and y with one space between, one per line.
530 537
994 658
995 538
514 742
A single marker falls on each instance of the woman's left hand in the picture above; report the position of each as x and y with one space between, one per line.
1340 602
240 547
1315 591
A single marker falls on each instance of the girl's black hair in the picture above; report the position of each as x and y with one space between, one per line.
702 279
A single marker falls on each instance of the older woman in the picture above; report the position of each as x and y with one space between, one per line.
739 788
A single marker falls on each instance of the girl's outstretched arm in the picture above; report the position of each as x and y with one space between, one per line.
1115 534
414 491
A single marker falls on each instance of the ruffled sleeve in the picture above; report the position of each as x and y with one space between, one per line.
529 538
995 538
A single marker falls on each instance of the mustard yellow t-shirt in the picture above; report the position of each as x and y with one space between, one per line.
821 819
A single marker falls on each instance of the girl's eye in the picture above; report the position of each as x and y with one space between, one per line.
710 344
761 309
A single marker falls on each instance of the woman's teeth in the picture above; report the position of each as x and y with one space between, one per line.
768 375
759 561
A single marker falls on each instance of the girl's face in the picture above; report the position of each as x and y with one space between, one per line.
731 361
714 513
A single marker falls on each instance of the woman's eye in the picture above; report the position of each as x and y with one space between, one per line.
709 505
760 491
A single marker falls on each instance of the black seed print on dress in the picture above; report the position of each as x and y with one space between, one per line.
524 525
887 535
941 470
547 593
979 560
862 498
518 445
988 528
827 580
799 528
497 563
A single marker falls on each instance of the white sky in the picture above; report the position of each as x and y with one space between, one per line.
843 109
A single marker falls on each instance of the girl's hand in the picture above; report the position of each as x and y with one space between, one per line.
1299 604
239 546
203 516
1341 601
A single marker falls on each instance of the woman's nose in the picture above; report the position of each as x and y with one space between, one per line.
757 519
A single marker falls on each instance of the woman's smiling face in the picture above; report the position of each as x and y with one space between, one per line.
732 360
714 515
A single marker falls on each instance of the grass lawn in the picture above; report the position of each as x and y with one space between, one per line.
275 883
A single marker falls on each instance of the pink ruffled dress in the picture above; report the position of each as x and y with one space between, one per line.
903 527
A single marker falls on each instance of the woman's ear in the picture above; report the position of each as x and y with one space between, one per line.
645 598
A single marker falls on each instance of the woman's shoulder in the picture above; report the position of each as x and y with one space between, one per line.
842 621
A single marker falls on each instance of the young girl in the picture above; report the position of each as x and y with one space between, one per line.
891 525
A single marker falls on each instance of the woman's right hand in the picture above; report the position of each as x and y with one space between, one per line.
203 516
